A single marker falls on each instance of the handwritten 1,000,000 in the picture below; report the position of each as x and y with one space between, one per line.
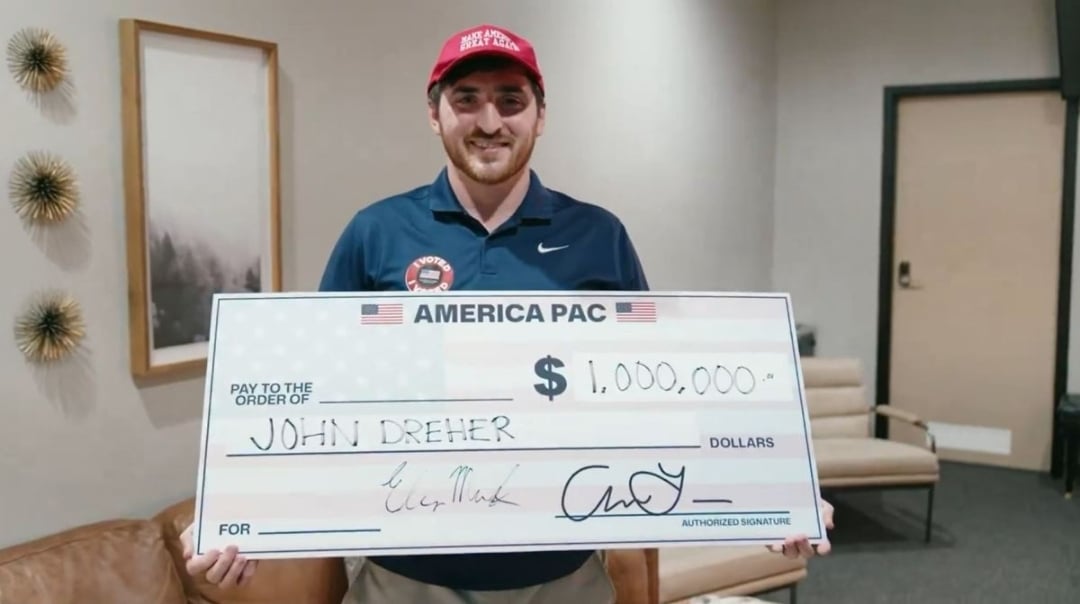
655 376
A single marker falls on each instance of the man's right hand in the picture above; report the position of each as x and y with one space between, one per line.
224 569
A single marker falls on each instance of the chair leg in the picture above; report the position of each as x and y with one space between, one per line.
1072 455
793 594
929 512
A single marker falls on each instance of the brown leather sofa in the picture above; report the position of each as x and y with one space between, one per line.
139 561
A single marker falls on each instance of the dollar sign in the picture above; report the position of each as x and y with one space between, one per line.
554 383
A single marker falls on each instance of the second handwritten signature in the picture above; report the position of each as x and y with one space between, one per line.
406 493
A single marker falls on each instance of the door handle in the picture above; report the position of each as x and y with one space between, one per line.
904 277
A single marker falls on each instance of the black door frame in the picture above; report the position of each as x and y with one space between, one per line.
893 96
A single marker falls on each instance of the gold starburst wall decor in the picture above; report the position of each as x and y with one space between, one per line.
43 188
37 60
51 328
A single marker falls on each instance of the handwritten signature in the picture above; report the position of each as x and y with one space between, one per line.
670 482
461 491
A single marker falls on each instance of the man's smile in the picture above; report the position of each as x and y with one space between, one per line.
488 145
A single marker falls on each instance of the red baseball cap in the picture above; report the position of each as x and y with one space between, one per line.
489 40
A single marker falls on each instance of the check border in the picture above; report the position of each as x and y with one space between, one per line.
219 298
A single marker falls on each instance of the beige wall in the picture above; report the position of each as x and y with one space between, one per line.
835 58
662 111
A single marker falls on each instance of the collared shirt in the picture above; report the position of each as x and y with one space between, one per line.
423 240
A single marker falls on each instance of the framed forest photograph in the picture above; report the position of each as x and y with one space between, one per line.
201 182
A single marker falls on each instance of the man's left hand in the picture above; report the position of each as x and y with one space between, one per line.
799 545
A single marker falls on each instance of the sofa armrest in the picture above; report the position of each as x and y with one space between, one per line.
280 581
891 412
652 567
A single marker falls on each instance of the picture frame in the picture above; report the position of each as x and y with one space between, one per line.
201 184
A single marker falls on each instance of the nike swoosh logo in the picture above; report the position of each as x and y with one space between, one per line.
544 250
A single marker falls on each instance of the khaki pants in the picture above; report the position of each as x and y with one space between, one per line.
373 584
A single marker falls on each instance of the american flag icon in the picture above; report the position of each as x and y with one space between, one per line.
635 312
382 314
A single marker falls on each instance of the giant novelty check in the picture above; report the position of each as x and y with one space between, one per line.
384 424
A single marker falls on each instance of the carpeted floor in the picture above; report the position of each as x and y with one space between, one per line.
999 536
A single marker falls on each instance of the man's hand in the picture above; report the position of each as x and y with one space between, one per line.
224 569
799 545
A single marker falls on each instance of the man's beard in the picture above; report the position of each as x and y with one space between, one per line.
485 173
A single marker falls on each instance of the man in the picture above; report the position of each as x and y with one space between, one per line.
485 223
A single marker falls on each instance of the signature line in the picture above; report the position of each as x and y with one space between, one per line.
319 531
643 514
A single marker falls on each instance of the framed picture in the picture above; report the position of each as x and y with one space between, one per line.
201 183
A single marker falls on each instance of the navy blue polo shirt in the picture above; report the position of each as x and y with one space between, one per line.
423 240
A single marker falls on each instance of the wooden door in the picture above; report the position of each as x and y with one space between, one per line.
975 272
